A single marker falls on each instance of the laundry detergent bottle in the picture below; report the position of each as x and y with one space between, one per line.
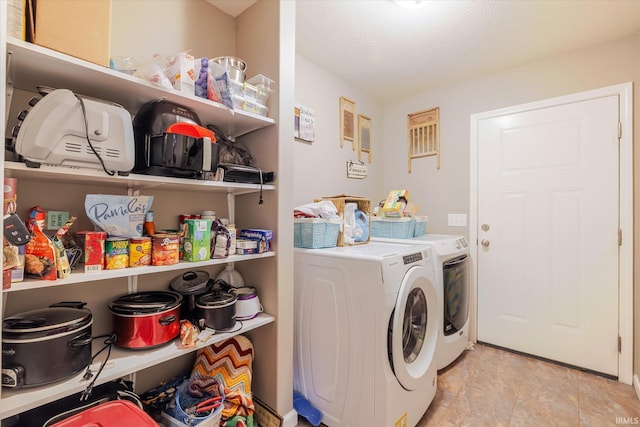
231 276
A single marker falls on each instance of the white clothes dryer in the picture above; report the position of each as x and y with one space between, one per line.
365 333
452 269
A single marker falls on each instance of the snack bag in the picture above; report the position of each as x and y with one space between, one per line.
40 257
63 266
121 216
220 239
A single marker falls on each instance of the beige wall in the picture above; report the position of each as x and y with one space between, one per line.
320 168
447 190
143 28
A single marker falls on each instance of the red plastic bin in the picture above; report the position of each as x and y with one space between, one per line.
115 413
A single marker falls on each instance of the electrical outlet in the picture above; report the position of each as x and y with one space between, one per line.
457 220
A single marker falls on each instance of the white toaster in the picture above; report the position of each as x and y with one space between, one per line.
63 129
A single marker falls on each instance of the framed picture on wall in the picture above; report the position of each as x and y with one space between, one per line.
364 136
347 122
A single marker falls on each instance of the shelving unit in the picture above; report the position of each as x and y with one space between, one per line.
29 66
57 70
121 363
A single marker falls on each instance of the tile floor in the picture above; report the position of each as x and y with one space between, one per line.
492 387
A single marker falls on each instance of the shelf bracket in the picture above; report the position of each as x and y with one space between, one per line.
9 90
132 284
231 204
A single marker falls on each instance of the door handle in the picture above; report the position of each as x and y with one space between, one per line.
485 243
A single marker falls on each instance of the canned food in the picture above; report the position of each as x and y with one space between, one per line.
116 253
92 244
165 249
139 251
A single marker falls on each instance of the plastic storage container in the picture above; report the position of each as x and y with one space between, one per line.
115 413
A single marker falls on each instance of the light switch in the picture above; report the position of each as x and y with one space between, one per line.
457 220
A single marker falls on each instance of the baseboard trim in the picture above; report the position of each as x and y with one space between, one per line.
636 385
290 419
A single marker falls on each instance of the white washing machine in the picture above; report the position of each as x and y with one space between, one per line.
451 265
365 333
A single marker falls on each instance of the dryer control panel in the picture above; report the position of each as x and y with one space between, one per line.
410 259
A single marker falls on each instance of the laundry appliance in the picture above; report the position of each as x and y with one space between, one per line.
365 334
452 269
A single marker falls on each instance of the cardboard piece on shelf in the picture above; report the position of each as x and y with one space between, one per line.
78 28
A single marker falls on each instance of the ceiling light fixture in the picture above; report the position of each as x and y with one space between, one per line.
411 4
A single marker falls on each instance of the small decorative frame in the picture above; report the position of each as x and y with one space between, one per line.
424 135
347 122
304 123
364 136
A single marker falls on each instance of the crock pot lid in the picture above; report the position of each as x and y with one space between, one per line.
45 319
245 292
146 302
191 282
218 299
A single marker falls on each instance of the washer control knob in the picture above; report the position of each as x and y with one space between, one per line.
485 243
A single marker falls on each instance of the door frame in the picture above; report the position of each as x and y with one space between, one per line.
625 295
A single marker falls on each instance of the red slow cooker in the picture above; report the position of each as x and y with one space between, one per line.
146 319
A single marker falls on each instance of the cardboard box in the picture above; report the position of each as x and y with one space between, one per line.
78 28
262 236
396 203
197 239
340 201
185 78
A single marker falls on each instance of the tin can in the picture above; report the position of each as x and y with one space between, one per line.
92 243
139 251
165 249
116 253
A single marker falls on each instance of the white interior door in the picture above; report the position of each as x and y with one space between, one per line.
548 221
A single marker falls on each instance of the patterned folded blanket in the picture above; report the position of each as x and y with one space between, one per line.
230 363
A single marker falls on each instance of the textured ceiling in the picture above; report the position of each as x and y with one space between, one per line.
393 52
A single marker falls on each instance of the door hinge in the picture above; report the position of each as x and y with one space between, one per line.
619 237
619 344
619 130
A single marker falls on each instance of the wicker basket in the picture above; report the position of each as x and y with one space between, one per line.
340 201
315 233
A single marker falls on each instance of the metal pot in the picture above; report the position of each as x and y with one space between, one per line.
146 319
190 285
217 310
46 345
235 67
248 305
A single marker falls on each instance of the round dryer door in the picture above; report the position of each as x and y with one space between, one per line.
414 328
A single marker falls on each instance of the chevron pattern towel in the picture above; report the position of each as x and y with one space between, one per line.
230 363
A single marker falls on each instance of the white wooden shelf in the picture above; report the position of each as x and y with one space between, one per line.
30 65
67 175
122 362
79 276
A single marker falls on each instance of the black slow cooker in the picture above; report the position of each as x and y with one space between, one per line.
217 310
45 345
190 285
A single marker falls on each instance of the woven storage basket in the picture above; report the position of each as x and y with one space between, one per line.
395 228
339 201
315 233
421 226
